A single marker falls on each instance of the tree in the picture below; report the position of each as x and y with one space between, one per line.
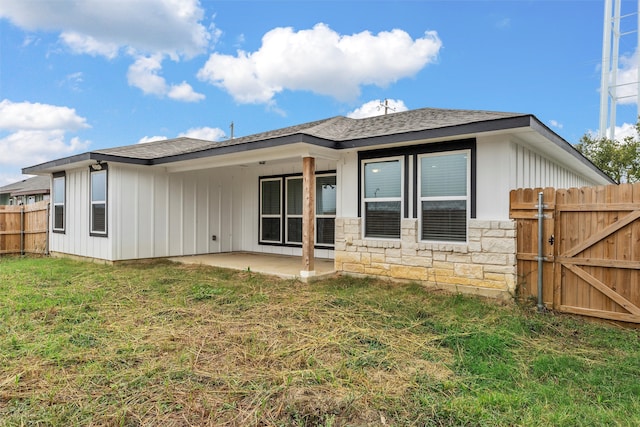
618 159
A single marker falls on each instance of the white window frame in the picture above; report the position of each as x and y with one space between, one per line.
92 202
400 160
279 215
63 178
466 198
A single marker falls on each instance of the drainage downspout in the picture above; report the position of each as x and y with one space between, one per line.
540 248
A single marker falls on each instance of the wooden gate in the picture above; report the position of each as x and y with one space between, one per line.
24 229
591 249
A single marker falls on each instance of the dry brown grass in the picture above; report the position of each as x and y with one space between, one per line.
171 345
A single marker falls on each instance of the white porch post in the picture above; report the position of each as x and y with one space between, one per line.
308 216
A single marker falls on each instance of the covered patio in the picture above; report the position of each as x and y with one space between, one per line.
284 266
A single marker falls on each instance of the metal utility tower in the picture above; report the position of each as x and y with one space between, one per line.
609 95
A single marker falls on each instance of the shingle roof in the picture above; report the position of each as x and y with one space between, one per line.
34 185
337 129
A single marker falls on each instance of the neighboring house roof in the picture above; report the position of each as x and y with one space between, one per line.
34 185
335 133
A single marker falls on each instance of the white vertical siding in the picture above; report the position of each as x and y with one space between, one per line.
535 170
76 239
347 180
503 165
159 214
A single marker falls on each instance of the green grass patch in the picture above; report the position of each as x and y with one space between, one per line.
158 343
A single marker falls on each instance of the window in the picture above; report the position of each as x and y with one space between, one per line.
294 210
444 200
283 225
59 197
383 188
99 201
325 209
270 210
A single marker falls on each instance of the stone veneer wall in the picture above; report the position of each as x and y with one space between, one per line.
486 265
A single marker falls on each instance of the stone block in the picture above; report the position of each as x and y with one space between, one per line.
472 271
353 268
348 257
508 225
499 269
376 271
425 253
443 265
417 261
497 245
459 258
495 277
493 233
474 233
394 260
408 252
407 272
489 258
377 257
439 256
479 223
365 258
393 253
380 265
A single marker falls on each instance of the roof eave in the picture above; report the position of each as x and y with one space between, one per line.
254 145
442 132
550 135
79 160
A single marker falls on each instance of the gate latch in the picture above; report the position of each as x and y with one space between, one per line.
551 240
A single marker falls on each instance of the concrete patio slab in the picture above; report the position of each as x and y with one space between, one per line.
287 267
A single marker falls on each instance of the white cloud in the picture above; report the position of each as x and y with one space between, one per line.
80 43
556 124
206 133
627 79
36 116
624 131
148 30
36 133
31 147
377 108
96 26
146 139
619 133
321 61
184 92
143 74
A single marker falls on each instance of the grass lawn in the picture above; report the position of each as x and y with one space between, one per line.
162 344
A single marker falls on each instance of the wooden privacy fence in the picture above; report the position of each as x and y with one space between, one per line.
590 248
24 229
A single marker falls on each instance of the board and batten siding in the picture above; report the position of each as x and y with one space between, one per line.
159 214
76 239
535 170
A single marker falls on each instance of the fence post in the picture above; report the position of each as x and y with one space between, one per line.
22 230
46 244
540 248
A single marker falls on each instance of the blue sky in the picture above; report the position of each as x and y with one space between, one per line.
80 76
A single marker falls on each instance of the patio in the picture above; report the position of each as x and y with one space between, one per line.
287 267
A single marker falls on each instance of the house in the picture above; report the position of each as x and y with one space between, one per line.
418 195
25 192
